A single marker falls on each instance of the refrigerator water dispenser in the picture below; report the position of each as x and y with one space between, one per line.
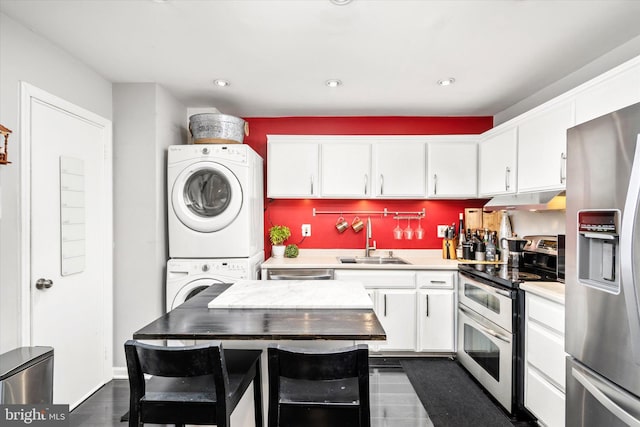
598 249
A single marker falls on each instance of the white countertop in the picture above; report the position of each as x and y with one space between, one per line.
294 294
418 259
553 291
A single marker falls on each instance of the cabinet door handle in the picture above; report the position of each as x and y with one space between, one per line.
435 183
366 182
311 182
381 184
507 172
385 305
563 165
427 307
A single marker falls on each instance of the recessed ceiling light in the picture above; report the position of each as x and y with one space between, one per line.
161 1
333 83
221 83
340 2
447 82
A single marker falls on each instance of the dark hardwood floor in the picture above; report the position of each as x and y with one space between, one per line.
394 402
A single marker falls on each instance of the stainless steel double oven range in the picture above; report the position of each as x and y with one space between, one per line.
491 319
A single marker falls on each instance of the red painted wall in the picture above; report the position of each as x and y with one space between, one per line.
294 213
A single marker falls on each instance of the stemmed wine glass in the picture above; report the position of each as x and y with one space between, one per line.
408 232
397 232
419 230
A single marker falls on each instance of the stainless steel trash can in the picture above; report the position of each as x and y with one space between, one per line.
26 376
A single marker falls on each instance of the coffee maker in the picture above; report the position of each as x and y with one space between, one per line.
515 246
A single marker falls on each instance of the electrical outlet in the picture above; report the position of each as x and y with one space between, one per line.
442 231
306 230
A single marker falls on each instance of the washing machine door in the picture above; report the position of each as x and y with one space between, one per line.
192 289
206 197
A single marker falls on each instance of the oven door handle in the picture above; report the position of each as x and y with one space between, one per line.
490 289
478 319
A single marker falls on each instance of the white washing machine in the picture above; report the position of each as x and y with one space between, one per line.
187 277
215 201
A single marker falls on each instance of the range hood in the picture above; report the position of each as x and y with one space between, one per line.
543 201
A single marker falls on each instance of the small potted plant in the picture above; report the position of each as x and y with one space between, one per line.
291 251
278 234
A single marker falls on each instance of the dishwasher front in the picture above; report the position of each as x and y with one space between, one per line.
300 274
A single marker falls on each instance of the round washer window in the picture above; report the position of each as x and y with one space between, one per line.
206 197
207 193
195 292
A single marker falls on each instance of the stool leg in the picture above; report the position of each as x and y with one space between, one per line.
257 394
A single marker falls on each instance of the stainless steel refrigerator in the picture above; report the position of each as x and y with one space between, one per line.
603 271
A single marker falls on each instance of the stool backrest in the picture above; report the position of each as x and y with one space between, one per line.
190 361
350 362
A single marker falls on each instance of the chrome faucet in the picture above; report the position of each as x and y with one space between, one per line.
368 249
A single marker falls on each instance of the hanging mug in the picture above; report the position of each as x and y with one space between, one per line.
357 224
341 225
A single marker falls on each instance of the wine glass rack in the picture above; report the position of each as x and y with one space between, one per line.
384 212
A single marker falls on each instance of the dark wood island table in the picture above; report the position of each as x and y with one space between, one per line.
193 320
259 327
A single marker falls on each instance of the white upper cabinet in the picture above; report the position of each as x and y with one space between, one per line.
292 168
498 163
542 148
345 170
452 168
399 169
608 93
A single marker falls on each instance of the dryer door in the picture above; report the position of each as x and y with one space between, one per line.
191 289
206 197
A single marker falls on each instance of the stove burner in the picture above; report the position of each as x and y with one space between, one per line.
521 275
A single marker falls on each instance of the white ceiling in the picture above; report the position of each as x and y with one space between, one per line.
277 54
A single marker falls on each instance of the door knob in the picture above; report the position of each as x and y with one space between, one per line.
44 283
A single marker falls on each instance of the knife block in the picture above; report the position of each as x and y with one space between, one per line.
449 248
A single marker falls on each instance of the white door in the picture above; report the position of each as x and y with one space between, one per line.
436 311
400 169
542 149
69 253
345 170
292 168
396 309
497 164
452 169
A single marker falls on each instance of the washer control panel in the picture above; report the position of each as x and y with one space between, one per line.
225 152
177 269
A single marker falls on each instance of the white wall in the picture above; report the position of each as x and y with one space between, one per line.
526 223
25 56
147 119
606 62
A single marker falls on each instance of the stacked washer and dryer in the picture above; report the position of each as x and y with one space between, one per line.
215 217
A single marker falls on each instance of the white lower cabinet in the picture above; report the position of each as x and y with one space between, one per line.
416 308
436 311
396 309
544 383
436 320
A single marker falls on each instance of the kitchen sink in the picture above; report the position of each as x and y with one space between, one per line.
371 260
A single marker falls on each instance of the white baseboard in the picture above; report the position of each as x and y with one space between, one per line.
120 373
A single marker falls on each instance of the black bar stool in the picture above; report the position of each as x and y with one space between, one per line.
319 389
200 384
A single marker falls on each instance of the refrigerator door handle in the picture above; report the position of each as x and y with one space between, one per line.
606 395
627 256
